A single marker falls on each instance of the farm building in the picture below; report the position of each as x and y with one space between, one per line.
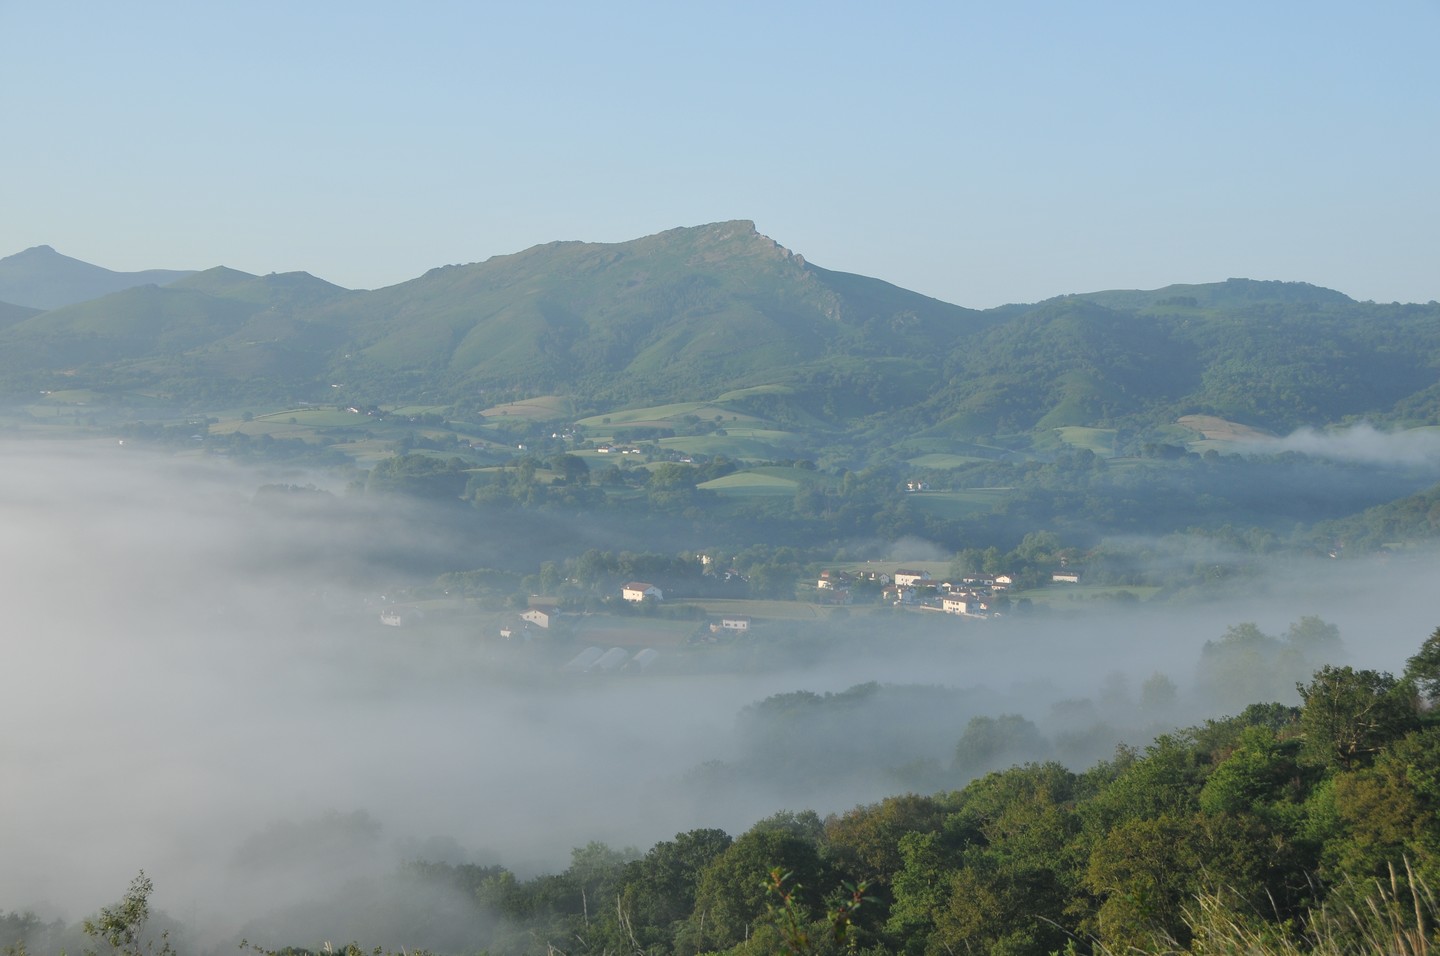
638 591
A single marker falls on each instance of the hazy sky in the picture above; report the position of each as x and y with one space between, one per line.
980 153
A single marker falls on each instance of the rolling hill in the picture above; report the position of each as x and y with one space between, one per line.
692 314
42 278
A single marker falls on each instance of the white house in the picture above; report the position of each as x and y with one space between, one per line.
735 622
1066 577
969 605
638 591
540 616
908 579
955 605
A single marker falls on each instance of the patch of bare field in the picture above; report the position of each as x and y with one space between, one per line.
1218 429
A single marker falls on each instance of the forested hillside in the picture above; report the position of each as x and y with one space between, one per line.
693 314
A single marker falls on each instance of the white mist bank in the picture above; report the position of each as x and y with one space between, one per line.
1363 442
186 675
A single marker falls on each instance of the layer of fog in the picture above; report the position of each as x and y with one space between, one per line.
198 687
1363 443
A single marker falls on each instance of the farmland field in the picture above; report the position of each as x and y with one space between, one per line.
940 460
544 408
747 484
753 444
663 415
765 610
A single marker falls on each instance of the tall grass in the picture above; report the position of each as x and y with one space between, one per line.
1397 917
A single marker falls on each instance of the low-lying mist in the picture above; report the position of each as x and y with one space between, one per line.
1361 442
199 687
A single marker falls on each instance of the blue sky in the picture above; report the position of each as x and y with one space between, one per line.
979 153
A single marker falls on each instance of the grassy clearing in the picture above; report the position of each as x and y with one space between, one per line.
939 570
71 396
749 447
666 415
317 417
367 451
749 484
939 460
419 410
655 413
544 408
740 393
1219 429
1099 440
275 429
764 610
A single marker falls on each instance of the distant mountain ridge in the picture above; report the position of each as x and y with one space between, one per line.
702 312
41 278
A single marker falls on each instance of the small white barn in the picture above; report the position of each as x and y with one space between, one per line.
638 591
540 616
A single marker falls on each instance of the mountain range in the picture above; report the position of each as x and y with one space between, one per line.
698 313
41 278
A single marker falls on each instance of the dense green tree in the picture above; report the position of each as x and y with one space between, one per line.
1348 715
1423 670
990 743
731 897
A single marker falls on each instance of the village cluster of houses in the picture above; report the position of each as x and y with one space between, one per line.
971 596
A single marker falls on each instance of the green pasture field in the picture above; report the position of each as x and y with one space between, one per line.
939 570
544 408
275 429
418 410
55 410
1099 440
764 610
749 484
664 415
318 418
366 451
72 396
739 393
939 460
753 444
593 457
648 416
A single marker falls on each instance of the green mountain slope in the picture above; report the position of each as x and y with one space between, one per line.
220 333
710 308
1269 354
42 278
693 314
10 313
